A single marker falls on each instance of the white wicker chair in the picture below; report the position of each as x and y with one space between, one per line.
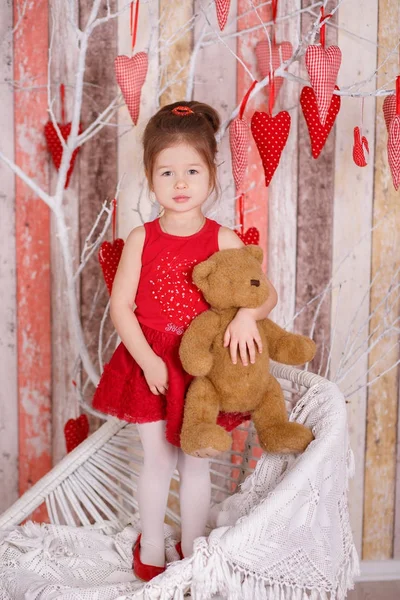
95 483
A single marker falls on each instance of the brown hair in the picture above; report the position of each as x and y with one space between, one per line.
197 130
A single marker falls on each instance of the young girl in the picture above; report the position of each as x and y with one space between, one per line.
144 382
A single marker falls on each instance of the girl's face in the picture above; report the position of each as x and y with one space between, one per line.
181 180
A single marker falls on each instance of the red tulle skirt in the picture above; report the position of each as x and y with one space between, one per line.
123 391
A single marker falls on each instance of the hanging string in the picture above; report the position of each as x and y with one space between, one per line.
322 29
245 99
362 115
62 96
114 219
134 22
241 213
274 4
398 95
271 99
241 112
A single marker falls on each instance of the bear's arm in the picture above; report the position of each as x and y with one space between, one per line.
285 347
195 347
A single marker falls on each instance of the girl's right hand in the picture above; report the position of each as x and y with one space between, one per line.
156 375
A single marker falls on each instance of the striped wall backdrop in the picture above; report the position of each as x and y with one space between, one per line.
330 230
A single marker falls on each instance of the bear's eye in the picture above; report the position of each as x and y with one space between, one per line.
255 282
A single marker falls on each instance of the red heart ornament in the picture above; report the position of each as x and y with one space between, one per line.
323 66
55 147
360 149
131 74
239 142
389 109
76 431
109 257
279 54
222 7
393 149
270 134
318 132
251 237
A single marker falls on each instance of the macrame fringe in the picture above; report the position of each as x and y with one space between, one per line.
214 574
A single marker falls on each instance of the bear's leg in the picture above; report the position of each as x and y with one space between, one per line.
200 435
275 433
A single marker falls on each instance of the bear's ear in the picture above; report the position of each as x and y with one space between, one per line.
255 251
202 271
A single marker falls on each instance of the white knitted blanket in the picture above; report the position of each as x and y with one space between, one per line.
284 536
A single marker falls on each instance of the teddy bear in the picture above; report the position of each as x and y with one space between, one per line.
231 279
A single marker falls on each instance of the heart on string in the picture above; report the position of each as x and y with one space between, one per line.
222 7
109 257
360 149
76 431
279 53
389 109
131 74
323 66
251 237
318 132
55 148
239 143
270 134
393 148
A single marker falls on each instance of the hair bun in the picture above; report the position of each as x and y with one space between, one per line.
209 113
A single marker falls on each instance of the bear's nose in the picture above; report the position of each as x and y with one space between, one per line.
255 282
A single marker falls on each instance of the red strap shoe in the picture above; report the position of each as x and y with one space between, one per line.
142 571
178 548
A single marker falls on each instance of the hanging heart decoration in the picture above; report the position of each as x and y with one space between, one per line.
53 141
131 74
318 132
76 431
389 109
110 252
251 237
222 7
360 149
393 146
270 134
109 257
323 67
239 142
276 55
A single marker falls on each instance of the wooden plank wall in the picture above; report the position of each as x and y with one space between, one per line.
282 192
63 71
382 413
32 245
315 198
97 175
315 213
8 322
352 209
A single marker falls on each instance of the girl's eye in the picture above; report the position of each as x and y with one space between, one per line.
192 171
167 173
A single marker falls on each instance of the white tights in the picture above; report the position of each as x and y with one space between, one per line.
160 461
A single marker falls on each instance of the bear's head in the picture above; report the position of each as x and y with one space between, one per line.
233 278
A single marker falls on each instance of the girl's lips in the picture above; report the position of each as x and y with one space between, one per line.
181 198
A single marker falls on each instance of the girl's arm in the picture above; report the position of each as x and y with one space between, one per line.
121 310
242 332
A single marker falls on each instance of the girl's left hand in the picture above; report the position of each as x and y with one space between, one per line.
242 331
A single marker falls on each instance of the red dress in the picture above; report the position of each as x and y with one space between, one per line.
166 302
